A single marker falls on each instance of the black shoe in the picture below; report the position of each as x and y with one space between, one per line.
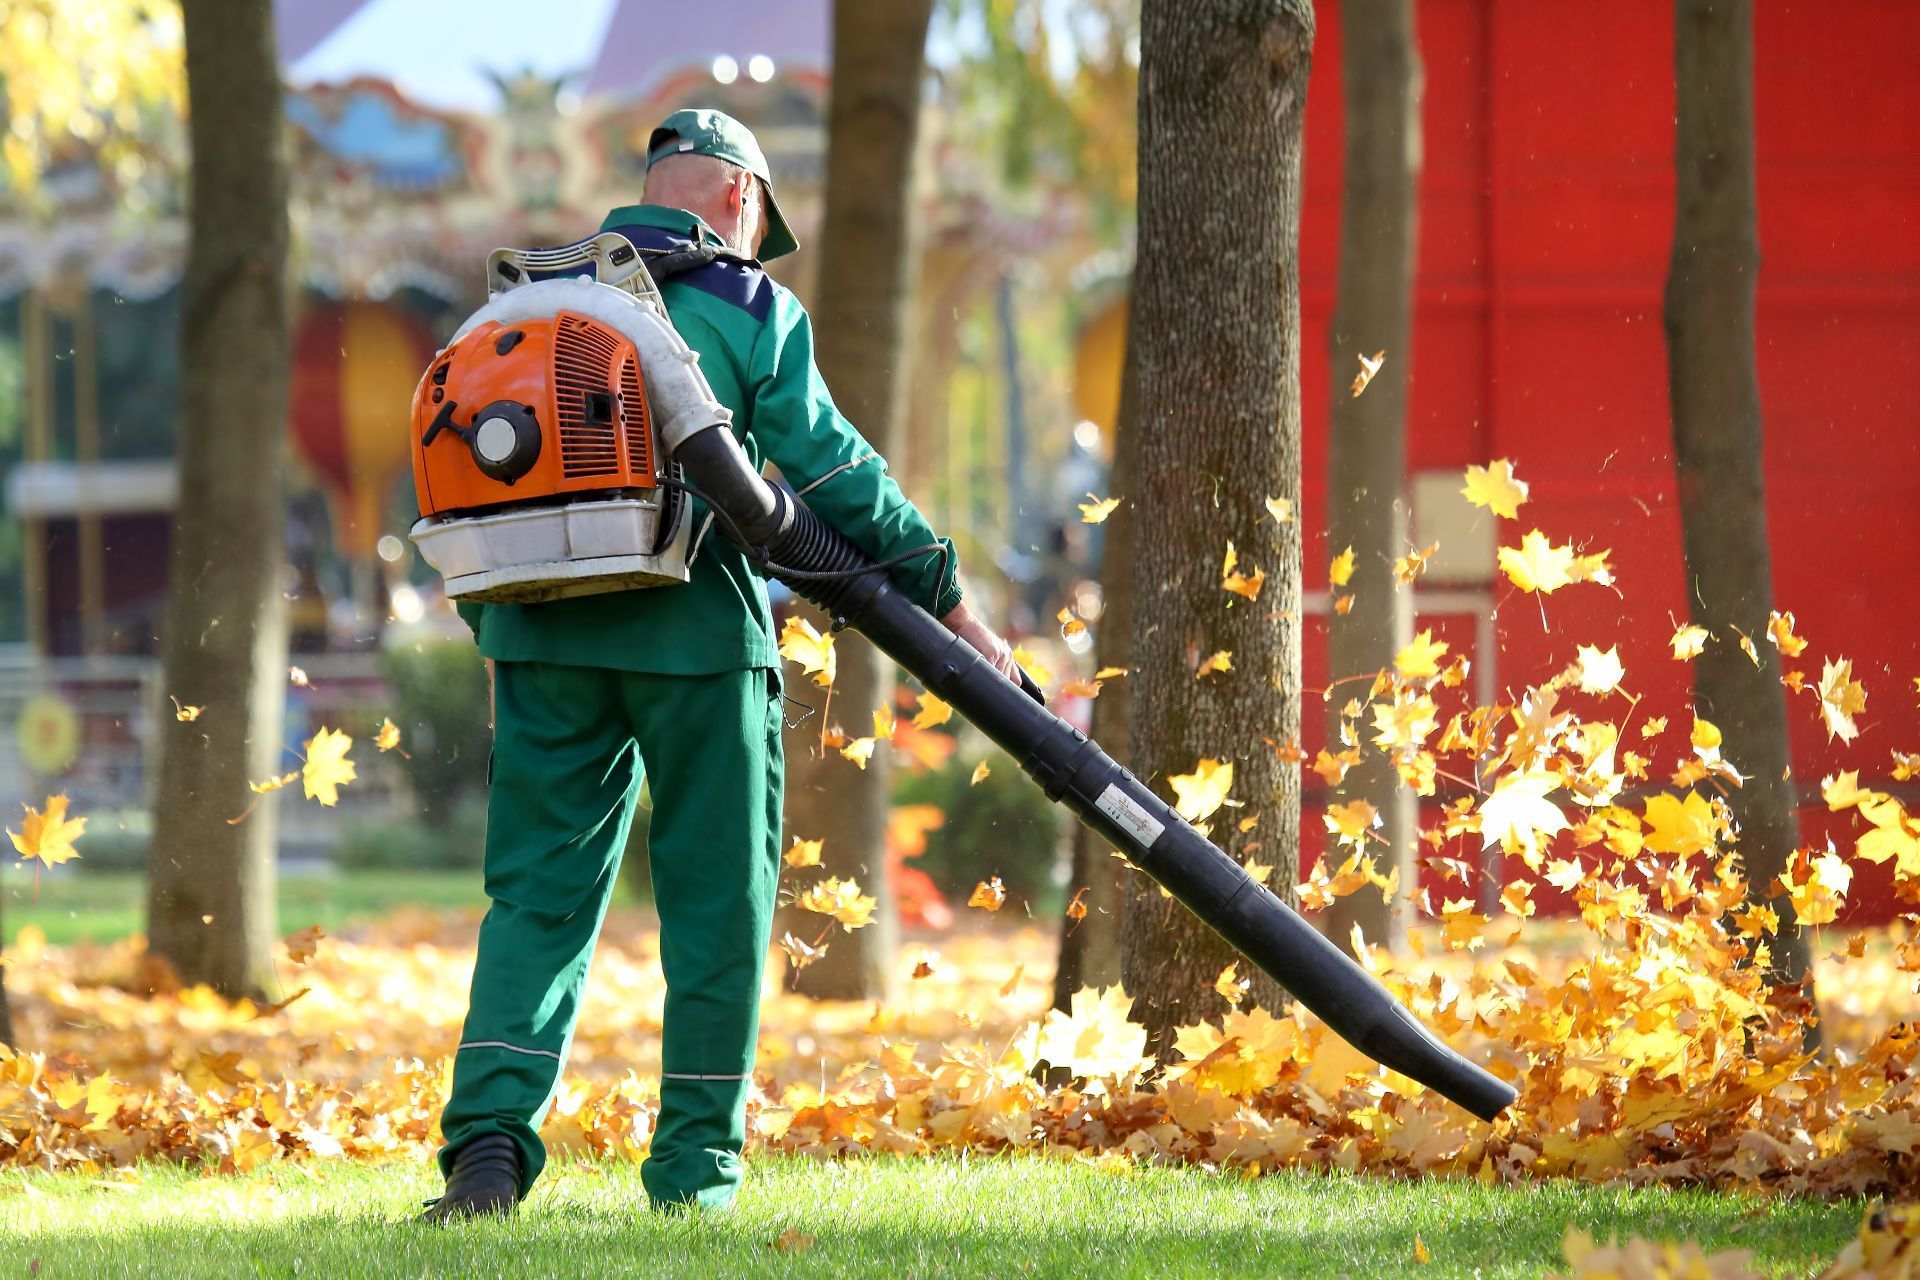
485 1181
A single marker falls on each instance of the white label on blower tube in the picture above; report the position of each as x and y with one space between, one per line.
1123 809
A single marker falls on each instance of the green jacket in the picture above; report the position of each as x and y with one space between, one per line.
756 349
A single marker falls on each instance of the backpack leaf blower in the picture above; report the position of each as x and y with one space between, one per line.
663 437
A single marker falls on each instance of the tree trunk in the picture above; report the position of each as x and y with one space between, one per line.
1090 946
861 318
1367 454
1223 86
1717 437
210 900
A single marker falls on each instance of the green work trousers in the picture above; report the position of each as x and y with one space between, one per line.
570 745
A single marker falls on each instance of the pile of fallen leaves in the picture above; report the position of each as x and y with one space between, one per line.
1887 1248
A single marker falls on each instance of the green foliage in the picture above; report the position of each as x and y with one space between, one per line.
416 845
979 1216
1003 825
441 703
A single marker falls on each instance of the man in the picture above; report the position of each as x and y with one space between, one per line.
683 683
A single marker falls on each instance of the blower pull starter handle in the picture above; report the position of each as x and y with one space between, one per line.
822 565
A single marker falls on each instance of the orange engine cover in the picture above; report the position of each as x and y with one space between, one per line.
511 414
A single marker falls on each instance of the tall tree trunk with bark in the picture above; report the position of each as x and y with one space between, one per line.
1367 454
210 905
1223 88
1090 946
1718 440
861 321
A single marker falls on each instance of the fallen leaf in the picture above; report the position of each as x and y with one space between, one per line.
800 643
327 768
302 943
1495 488
1204 790
1538 565
1340 572
988 895
1420 660
1689 642
1599 672
48 834
840 899
804 853
1841 698
932 712
791 1241
1232 987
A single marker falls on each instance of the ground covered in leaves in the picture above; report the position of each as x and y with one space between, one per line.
947 1216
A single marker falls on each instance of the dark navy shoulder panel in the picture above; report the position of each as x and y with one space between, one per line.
740 284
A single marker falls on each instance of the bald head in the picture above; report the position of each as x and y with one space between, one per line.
725 196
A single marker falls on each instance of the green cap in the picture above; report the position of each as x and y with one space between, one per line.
706 132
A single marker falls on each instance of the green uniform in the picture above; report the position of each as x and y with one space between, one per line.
683 683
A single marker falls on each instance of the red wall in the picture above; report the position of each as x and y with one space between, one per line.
1546 215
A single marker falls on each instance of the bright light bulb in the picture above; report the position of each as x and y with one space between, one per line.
760 67
725 69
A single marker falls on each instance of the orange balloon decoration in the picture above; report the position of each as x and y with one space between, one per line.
354 369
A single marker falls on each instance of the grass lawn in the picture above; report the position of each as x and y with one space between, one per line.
870 1219
99 906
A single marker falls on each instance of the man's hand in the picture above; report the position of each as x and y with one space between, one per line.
983 639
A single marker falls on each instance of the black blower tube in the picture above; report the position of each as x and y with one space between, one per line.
1074 770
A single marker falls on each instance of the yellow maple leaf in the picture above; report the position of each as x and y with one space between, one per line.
184 712
1841 698
1410 566
1404 723
1679 826
302 943
980 772
1367 369
805 853
1350 822
1495 488
1070 626
1461 925
988 895
1819 889
840 899
1518 814
1220 661
1538 565
1280 509
860 750
1095 1037
388 736
1343 605
327 768
1232 987
883 724
800 643
1421 658
1239 583
1340 572
1689 642
932 712
1095 510
801 954
1599 672
1780 631
48 834
1204 790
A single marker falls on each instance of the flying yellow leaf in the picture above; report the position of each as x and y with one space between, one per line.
1420 660
800 643
298 675
1109 673
988 895
1232 987
1220 661
1819 889
1689 642
327 768
1343 605
1367 369
1679 826
1280 509
1204 790
980 772
1070 626
932 712
273 784
1041 673
1495 488
1340 572
1518 815
805 853
1841 698
1599 672
883 724
302 943
860 750
1410 566
840 899
1094 1037
1537 565
1095 510
1239 583
1461 925
388 736
182 712
1780 631
801 954
1350 822
48 834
